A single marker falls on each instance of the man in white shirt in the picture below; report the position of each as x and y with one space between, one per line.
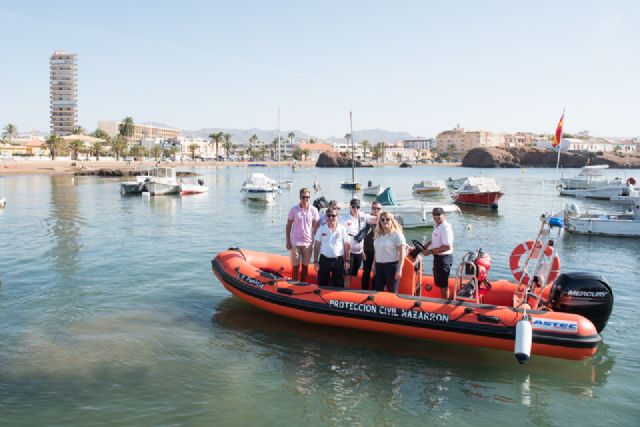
331 251
441 247
355 222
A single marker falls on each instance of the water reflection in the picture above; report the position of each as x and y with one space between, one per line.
165 204
422 377
63 226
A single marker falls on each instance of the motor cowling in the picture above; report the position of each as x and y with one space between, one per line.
586 294
483 265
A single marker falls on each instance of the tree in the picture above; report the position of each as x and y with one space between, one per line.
77 147
365 148
301 154
227 144
291 137
118 146
127 127
173 150
275 146
9 132
156 152
381 149
312 141
252 141
216 139
53 143
137 151
96 148
78 130
193 148
99 133
399 157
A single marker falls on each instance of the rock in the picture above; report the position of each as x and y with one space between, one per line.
405 165
494 157
332 159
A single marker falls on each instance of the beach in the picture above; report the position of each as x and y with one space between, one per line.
70 167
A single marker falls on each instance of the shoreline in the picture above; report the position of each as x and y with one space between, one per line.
65 167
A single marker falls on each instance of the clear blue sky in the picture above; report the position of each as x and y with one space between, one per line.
415 66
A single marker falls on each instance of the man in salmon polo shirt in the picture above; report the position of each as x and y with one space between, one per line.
302 224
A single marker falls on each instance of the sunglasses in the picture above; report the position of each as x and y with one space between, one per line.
305 197
375 209
355 206
332 216
384 220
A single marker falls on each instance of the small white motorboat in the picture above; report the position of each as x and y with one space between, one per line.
3 202
478 191
605 191
163 181
428 186
285 183
259 187
193 188
372 190
626 224
135 187
589 177
411 214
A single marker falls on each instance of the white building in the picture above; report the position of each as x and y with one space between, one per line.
63 92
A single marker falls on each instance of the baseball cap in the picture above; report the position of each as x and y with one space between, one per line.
437 211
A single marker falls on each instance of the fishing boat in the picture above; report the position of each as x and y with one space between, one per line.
543 313
604 192
588 178
135 187
454 184
197 187
352 185
163 181
478 191
626 224
259 187
427 186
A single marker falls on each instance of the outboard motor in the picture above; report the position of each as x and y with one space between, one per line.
320 203
586 294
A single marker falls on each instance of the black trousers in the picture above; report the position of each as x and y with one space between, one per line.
441 270
331 272
385 277
366 271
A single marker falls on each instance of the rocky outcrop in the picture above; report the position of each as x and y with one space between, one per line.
332 159
405 165
493 157
114 173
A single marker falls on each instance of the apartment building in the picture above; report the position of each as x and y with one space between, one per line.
63 92
457 141
518 139
141 131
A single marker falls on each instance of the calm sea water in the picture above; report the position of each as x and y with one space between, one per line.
110 315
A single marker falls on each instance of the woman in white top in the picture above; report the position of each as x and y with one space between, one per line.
389 246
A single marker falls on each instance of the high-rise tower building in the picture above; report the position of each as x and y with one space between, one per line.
63 92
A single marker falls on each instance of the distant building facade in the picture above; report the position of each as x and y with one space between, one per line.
456 142
63 92
141 131
420 143
518 139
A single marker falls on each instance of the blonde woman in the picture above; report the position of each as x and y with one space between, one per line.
389 247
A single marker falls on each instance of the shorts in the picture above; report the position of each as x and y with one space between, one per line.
300 254
441 270
355 261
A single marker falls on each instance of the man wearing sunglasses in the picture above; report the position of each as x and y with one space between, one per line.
302 223
441 247
369 250
331 251
355 222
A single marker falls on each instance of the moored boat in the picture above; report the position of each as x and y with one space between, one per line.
198 187
3 202
560 318
478 191
589 177
163 182
259 187
372 190
626 224
604 191
427 186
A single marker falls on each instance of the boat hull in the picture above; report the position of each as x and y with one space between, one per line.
489 199
603 225
250 276
161 188
355 186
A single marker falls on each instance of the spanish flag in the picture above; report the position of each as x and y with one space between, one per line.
557 138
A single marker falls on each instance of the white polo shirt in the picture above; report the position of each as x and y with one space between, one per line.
386 246
354 224
332 241
442 235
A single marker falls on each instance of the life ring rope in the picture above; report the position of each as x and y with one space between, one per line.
519 256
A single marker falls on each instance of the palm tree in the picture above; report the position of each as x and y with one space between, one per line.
381 148
53 143
10 131
96 148
99 133
227 144
365 148
252 141
312 140
216 139
291 137
193 148
78 130
173 150
127 127
156 152
274 148
399 157
76 146
262 151
137 151
118 146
